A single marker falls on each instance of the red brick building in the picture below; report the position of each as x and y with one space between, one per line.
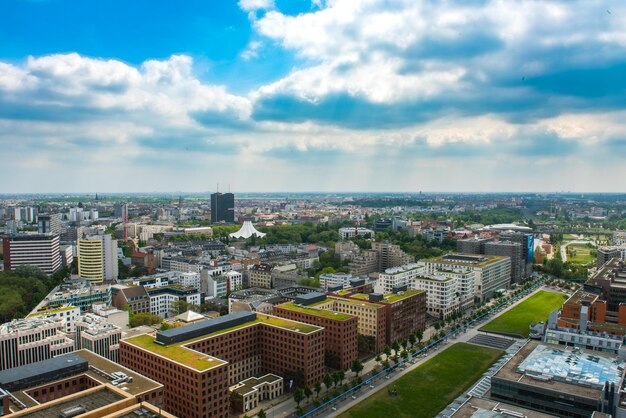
342 331
197 363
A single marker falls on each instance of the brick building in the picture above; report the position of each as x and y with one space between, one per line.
341 329
197 363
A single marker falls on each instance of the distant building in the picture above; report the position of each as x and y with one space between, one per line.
94 333
49 223
133 298
491 273
261 276
97 258
79 294
162 299
39 250
390 255
222 207
605 254
355 233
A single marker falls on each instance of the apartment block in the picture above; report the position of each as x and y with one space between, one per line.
260 275
97 258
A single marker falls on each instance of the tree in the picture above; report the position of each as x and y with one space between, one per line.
395 346
30 271
336 378
342 375
412 339
144 318
261 414
356 367
307 392
318 389
298 396
387 351
328 380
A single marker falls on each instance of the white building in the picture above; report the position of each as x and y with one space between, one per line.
217 287
447 291
352 233
40 250
25 341
331 280
235 280
96 334
162 299
399 276
67 313
491 273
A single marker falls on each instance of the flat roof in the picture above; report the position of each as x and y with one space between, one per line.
90 400
198 361
204 327
311 310
479 260
486 408
249 385
511 372
394 297
23 374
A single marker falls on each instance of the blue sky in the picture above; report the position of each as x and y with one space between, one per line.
295 95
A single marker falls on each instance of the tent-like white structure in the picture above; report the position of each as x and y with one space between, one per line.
246 231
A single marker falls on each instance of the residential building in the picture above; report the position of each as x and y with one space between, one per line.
49 223
604 254
234 281
355 233
341 329
285 275
491 273
364 263
97 258
162 299
346 250
217 287
39 250
197 363
25 341
334 280
222 207
390 255
261 276
133 298
396 277
253 300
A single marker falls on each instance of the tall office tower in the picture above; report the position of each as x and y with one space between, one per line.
120 210
514 251
528 248
49 223
97 258
222 207
472 245
41 250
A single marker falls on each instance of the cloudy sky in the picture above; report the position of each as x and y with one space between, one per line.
312 95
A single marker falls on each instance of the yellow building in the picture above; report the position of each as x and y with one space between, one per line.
90 265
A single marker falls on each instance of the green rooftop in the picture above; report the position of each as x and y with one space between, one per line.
394 297
176 352
490 260
50 310
311 310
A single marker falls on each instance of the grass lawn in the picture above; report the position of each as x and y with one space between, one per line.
534 309
427 390
582 254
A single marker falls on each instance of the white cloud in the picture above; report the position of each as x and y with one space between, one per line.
252 50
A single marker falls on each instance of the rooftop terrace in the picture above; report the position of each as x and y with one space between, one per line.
312 310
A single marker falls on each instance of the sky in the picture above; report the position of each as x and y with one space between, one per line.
312 95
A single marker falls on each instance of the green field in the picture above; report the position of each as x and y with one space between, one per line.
582 254
427 390
534 309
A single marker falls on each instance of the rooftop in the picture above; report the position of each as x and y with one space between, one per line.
549 369
179 353
479 260
249 385
175 352
394 297
50 310
311 310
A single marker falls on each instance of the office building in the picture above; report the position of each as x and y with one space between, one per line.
81 383
222 207
163 299
604 254
247 394
560 381
97 258
95 334
581 332
474 245
253 300
515 252
25 341
334 280
491 273
197 363
341 329
619 238
39 250
80 294
120 210
527 241
67 313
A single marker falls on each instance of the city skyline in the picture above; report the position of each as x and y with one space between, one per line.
313 95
